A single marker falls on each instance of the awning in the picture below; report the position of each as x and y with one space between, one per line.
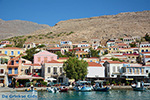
51 79
30 77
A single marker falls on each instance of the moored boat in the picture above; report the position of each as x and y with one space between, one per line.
63 89
31 89
139 86
52 90
81 86
98 88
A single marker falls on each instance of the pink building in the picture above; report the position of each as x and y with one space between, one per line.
43 57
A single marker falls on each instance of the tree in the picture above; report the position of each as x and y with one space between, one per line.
115 59
41 46
147 37
30 54
75 68
60 55
94 53
132 44
70 54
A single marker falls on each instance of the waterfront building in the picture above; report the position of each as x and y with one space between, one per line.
11 51
113 68
3 75
133 71
43 57
54 69
13 68
95 70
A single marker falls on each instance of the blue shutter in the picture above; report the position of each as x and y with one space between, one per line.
16 70
10 71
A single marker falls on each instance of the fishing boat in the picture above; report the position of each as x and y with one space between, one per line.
82 86
52 90
139 86
63 89
100 88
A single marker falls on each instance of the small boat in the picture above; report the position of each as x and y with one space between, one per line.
139 86
98 88
63 89
86 88
80 86
52 90
31 89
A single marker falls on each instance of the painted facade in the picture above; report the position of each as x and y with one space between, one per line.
43 57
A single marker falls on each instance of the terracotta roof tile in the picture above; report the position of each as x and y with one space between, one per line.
114 62
11 48
105 58
93 64
54 61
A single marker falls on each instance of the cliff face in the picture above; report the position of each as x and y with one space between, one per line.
102 27
18 27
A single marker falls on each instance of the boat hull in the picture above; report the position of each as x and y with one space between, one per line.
102 89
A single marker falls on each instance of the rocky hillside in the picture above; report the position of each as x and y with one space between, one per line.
18 27
102 27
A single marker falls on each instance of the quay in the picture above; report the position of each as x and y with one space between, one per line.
7 89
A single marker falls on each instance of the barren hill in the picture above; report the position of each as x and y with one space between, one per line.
102 27
18 27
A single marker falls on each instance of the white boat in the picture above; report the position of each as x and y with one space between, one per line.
53 90
139 86
80 86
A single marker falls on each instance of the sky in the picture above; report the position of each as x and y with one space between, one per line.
52 11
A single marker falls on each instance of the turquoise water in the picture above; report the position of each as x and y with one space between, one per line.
111 95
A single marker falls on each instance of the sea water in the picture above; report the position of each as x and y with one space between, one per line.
96 95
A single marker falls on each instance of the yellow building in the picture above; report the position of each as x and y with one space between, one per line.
144 47
92 59
62 59
113 49
126 50
11 51
81 54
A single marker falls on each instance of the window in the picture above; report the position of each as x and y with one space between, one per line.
60 69
9 70
17 62
12 52
16 70
146 50
12 62
129 70
39 59
45 59
146 71
140 70
142 50
18 52
133 70
55 70
5 52
90 60
113 68
1 71
118 69
49 70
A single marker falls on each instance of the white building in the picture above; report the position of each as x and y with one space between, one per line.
53 69
113 68
95 70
